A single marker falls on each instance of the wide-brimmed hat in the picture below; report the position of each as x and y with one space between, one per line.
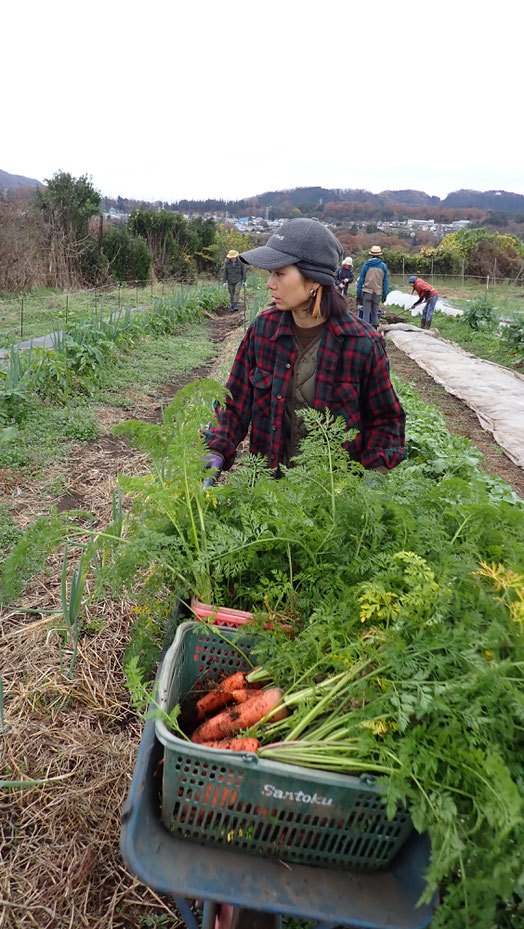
303 242
375 251
232 253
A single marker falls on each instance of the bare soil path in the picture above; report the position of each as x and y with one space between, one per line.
101 460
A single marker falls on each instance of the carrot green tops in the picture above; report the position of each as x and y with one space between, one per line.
352 380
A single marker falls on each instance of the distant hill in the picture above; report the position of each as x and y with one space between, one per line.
305 195
12 181
409 197
308 199
499 200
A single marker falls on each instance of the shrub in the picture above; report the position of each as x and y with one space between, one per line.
128 256
480 314
51 375
512 334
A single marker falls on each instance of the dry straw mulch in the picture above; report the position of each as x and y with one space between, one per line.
59 842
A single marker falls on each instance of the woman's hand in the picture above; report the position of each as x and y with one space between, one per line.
213 460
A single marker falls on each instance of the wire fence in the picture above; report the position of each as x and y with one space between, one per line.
29 315
462 280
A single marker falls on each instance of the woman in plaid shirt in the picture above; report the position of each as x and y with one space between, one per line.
306 350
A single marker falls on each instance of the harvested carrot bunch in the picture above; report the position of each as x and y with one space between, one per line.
229 722
233 705
231 689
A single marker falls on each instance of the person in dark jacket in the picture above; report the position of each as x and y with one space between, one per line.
305 350
234 277
345 275
372 284
427 295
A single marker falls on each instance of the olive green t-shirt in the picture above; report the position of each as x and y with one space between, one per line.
302 385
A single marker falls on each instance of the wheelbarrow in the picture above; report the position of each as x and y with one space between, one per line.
235 890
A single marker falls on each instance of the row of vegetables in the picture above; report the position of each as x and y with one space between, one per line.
388 627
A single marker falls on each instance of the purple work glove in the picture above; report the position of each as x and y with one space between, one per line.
373 477
213 460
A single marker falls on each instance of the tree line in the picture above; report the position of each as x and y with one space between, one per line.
56 237
474 252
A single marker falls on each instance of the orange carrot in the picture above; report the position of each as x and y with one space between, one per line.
241 696
234 745
221 695
233 720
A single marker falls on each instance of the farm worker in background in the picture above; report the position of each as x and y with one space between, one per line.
373 283
234 277
345 275
305 350
428 295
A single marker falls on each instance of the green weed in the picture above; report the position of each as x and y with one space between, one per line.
29 556
155 920
9 531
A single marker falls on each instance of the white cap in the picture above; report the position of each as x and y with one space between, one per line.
347 261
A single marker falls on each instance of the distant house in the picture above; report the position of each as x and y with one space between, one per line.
115 216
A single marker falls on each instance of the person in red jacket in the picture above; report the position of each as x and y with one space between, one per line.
427 295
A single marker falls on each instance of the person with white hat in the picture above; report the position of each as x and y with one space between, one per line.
306 350
345 275
234 277
373 283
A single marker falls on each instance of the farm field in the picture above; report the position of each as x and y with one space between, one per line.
78 732
87 723
507 296
484 341
40 312
460 420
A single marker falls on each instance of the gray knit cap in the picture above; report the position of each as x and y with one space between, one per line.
305 243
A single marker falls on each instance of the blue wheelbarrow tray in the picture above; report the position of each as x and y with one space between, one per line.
385 899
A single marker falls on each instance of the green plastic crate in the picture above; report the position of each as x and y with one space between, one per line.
239 801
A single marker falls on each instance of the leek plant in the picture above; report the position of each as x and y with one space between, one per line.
71 606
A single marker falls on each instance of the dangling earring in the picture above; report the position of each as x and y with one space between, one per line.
318 299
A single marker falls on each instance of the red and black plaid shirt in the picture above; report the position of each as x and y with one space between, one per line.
352 380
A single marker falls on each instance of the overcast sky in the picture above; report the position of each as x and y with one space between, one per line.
185 99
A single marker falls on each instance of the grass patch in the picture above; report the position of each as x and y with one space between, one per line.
47 433
483 343
45 437
9 531
155 362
